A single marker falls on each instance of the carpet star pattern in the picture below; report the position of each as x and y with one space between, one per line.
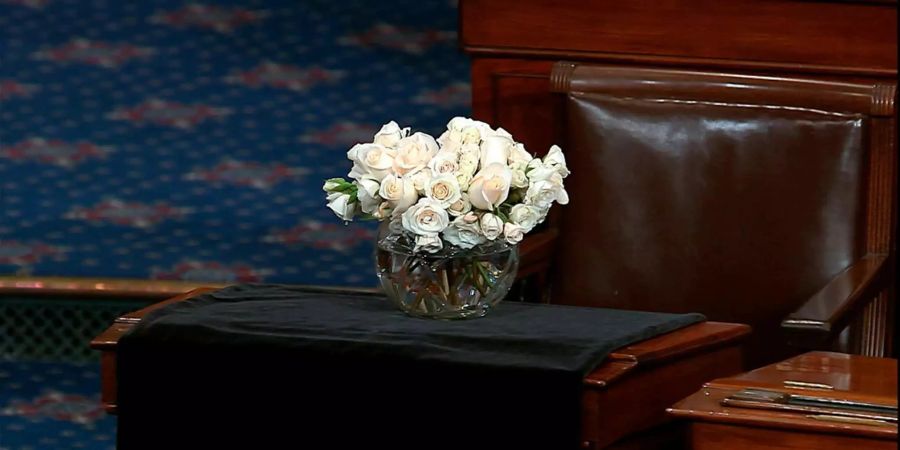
190 140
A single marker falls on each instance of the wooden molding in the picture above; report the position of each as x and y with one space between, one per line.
99 287
840 38
884 97
678 61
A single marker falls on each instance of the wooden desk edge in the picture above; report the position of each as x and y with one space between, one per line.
678 344
107 340
759 419
682 342
886 433
772 377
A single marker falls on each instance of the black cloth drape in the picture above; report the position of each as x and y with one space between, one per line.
265 366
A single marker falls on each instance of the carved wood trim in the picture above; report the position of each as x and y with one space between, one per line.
883 100
675 61
876 327
561 76
882 184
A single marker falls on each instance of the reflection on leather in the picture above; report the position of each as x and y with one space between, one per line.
736 210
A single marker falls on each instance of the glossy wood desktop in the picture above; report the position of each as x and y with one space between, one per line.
624 396
713 426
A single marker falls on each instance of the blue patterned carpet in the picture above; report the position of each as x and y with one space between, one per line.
52 406
173 140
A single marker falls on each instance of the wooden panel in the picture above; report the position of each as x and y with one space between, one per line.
108 384
705 436
668 436
817 36
515 95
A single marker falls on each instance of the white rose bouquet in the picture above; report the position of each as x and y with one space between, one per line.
472 185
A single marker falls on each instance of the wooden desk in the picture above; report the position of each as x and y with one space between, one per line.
713 426
626 394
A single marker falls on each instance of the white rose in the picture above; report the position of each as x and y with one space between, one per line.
340 204
464 234
513 233
471 135
461 123
468 163
367 193
449 143
430 243
526 216
420 180
444 190
519 179
538 171
557 161
471 148
519 154
463 179
495 149
520 174
413 153
490 187
398 192
450 138
390 134
543 193
458 123
491 226
501 132
426 217
443 163
370 161
461 206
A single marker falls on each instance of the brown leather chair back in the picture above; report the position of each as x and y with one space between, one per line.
735 196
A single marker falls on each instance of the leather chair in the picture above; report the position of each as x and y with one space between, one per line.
760 200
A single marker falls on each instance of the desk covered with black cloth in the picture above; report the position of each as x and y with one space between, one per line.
264 366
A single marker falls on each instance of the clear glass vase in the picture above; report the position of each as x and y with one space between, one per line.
453 283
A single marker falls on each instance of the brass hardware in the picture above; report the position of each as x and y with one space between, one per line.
855 420
807 385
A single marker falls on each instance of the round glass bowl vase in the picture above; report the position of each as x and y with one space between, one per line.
453 283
